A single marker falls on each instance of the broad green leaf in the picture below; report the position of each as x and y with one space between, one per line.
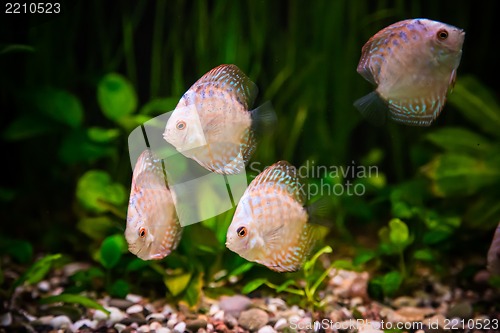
159 106
116 96
194 290
119 288
391 283
37 271
111 250
424 255
252 285
460 175
78 147
137 264
436 236
61 106
28 126
96 227
95 187
103 135
74 299
459 140
398 233
176 284
363 256
477 103
20 250
242 269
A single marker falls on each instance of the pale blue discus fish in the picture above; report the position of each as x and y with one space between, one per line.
414 64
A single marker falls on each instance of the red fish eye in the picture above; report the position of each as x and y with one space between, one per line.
181 125
442 34
142 232
241 231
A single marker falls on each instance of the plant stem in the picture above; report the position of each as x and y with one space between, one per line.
288 290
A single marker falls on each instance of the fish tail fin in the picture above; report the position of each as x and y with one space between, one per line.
373 108
263 119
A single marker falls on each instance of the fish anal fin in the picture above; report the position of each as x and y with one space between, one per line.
420 112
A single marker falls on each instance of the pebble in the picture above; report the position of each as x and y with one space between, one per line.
163 330
266 329
156 317
120 303
100 315
133 298
195 324
115 315
219 315
167 309
214 308
61 322
136 308
84 322
43 286
171 322
280 324
462 310
119 327
155 326
234 305
230 321
144 329
253 319
180 327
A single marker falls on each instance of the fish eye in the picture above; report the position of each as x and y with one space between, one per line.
142 232
242 232
181 125
442 34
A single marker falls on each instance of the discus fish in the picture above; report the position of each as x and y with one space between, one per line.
414 64
153 229
212 123
494 253
270 225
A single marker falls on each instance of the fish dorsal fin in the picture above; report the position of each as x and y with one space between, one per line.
233 80
281 175
372 53
148 171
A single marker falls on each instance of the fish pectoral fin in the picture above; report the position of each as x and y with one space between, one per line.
263 119
372 108
272 238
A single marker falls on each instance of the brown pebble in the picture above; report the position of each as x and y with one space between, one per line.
195 324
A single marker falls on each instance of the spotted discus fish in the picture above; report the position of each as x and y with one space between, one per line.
494 253
414 64
270 225
153 229
212 123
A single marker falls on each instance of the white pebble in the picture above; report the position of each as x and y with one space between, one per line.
210 327
144 329
136 308
154 325
80 323
171 323
60 322
167 309
45 320
272 308
100 315
280 324
180 327
133 298
219 315
120 327
294 319
163 330
115 315
214 308
43 286
266 329
156 316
